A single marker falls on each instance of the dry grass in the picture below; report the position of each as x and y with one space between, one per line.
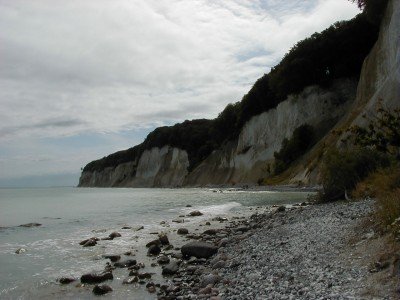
384 185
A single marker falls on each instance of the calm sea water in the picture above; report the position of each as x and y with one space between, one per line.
69 215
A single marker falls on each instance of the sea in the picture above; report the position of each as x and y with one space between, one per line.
70 215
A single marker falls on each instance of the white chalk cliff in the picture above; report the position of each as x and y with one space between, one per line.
248 159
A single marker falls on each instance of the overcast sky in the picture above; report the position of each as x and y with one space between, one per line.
80 79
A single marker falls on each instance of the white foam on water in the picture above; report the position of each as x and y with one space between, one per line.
213 210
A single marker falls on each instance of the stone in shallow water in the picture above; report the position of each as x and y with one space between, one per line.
153 250
130 280
102 289
66 280
195 213
125 263
112 257
20 250
96 278
31 225
114 234
183 231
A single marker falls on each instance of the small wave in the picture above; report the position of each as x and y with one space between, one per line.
214 209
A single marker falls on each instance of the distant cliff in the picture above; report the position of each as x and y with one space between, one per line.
238 147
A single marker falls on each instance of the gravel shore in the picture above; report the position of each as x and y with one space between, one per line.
310 252
299 251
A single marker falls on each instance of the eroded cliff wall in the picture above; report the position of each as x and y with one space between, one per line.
165 167
247 160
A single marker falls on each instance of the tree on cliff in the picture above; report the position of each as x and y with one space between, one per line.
373 9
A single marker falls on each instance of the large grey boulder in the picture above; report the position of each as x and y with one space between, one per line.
199 250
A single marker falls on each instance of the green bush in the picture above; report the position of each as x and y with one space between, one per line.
342 170
302 139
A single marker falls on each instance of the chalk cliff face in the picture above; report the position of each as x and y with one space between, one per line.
248 159
380 76
379 84
165 167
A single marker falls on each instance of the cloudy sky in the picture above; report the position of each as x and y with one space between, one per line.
82 79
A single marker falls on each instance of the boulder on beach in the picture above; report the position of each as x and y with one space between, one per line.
170 269
183 231
92 278
101 289
199 250
209 279
211 232
195 213
162 260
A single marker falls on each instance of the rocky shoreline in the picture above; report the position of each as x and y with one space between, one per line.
297 251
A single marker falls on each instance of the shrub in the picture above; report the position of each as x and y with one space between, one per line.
342 170
302 139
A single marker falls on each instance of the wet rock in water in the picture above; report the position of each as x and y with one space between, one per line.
153 250
183 231
31 225
199 250
130 280
156 242
96 278
85 241
195 213
163 239
144 275
151 289
170 269
208 223
178 221
66 280
125 263
20 250
102 289
188 205
90 243
113 258
162 260
114 234
211 232
126 227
